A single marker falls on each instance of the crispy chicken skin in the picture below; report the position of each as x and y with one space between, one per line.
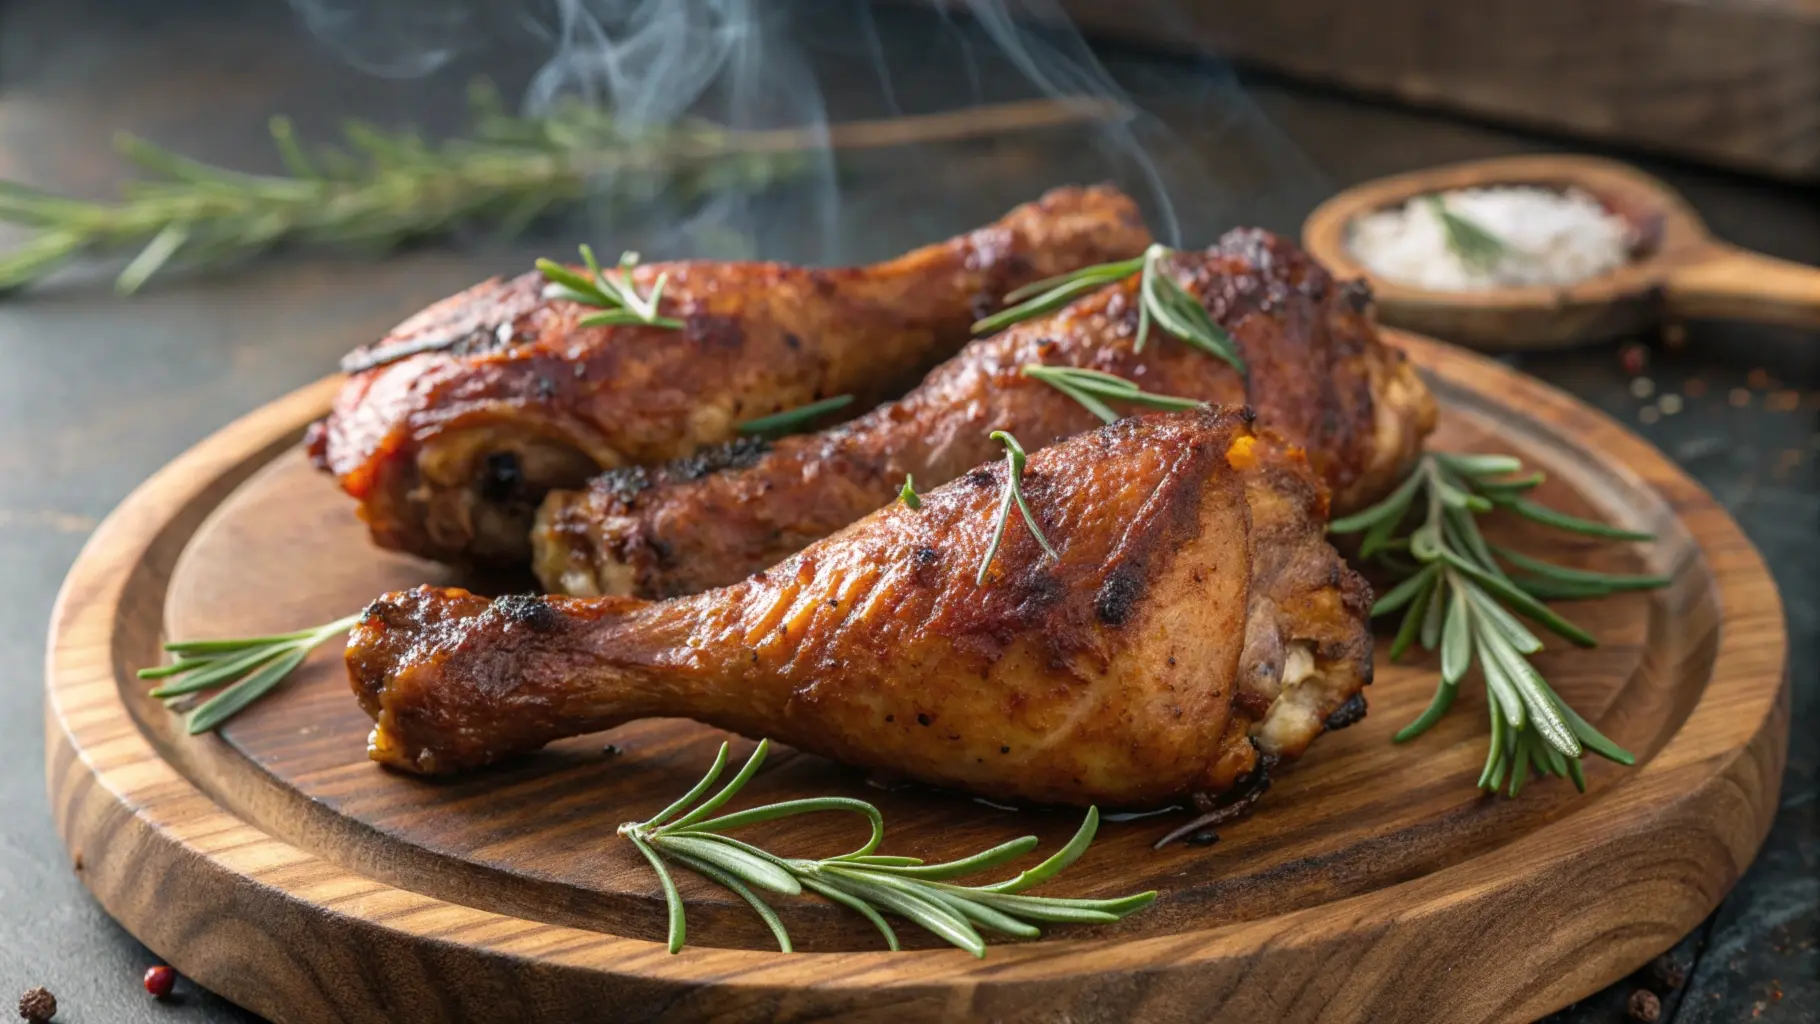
1195 622
498 395
1318 375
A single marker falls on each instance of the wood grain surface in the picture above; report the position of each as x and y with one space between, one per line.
1731 82
277 866
1678 270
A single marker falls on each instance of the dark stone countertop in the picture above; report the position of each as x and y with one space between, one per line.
99 391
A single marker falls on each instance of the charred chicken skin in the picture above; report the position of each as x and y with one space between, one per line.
451 429
1194 625
1318 375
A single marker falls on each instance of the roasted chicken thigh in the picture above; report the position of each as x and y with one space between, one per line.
1317 373
451 429
1193 624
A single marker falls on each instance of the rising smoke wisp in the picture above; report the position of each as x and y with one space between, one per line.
754 65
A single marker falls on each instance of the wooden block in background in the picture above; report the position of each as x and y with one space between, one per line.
1728 82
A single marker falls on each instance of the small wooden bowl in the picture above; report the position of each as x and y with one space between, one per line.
1679 269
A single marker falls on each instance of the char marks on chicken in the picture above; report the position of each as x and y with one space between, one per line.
1318 374
1194 623
451 429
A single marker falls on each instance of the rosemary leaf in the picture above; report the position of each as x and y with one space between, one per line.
1476 465
614 292
727 792
1412 619
156 253
982 916
1392 508
1160 301
755 870
866 883
790 421
707 870
248 668
1404 592
857 905
1182 315
1524 604
1562 521
1607 581
1472 244
1506 624
1058 912
982 861
1089 387
1594 740
1001 519
1445 693
233 699
1014 492
907 493
188 648
808 805
1454 593
1058 861
1049 294
1456 638
1432 617
1087 400
694 794
924 912
213 674
679 929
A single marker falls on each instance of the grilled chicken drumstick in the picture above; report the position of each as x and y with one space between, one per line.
1318 375
1194 621
467 413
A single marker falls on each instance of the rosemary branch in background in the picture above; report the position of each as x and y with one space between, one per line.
1161 301
1456 595
382 188
868 884
1014 492
377 190
1476 247
249 667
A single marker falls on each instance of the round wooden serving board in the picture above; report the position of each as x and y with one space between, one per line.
276 865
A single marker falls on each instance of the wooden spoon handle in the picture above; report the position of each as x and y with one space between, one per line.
1737 284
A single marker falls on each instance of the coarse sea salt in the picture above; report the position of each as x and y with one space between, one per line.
1549 237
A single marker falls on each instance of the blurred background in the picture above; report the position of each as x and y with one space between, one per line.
478 135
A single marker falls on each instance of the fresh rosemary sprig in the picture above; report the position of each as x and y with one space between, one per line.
1476 247
907 494
861 881
259 663
1457 596
1014 492
790 421
617 295
379 189
1160 300
1052 293
1094 388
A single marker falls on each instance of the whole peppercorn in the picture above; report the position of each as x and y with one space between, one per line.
37 1005
1666 974
1644 1007
159 980
1634 358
